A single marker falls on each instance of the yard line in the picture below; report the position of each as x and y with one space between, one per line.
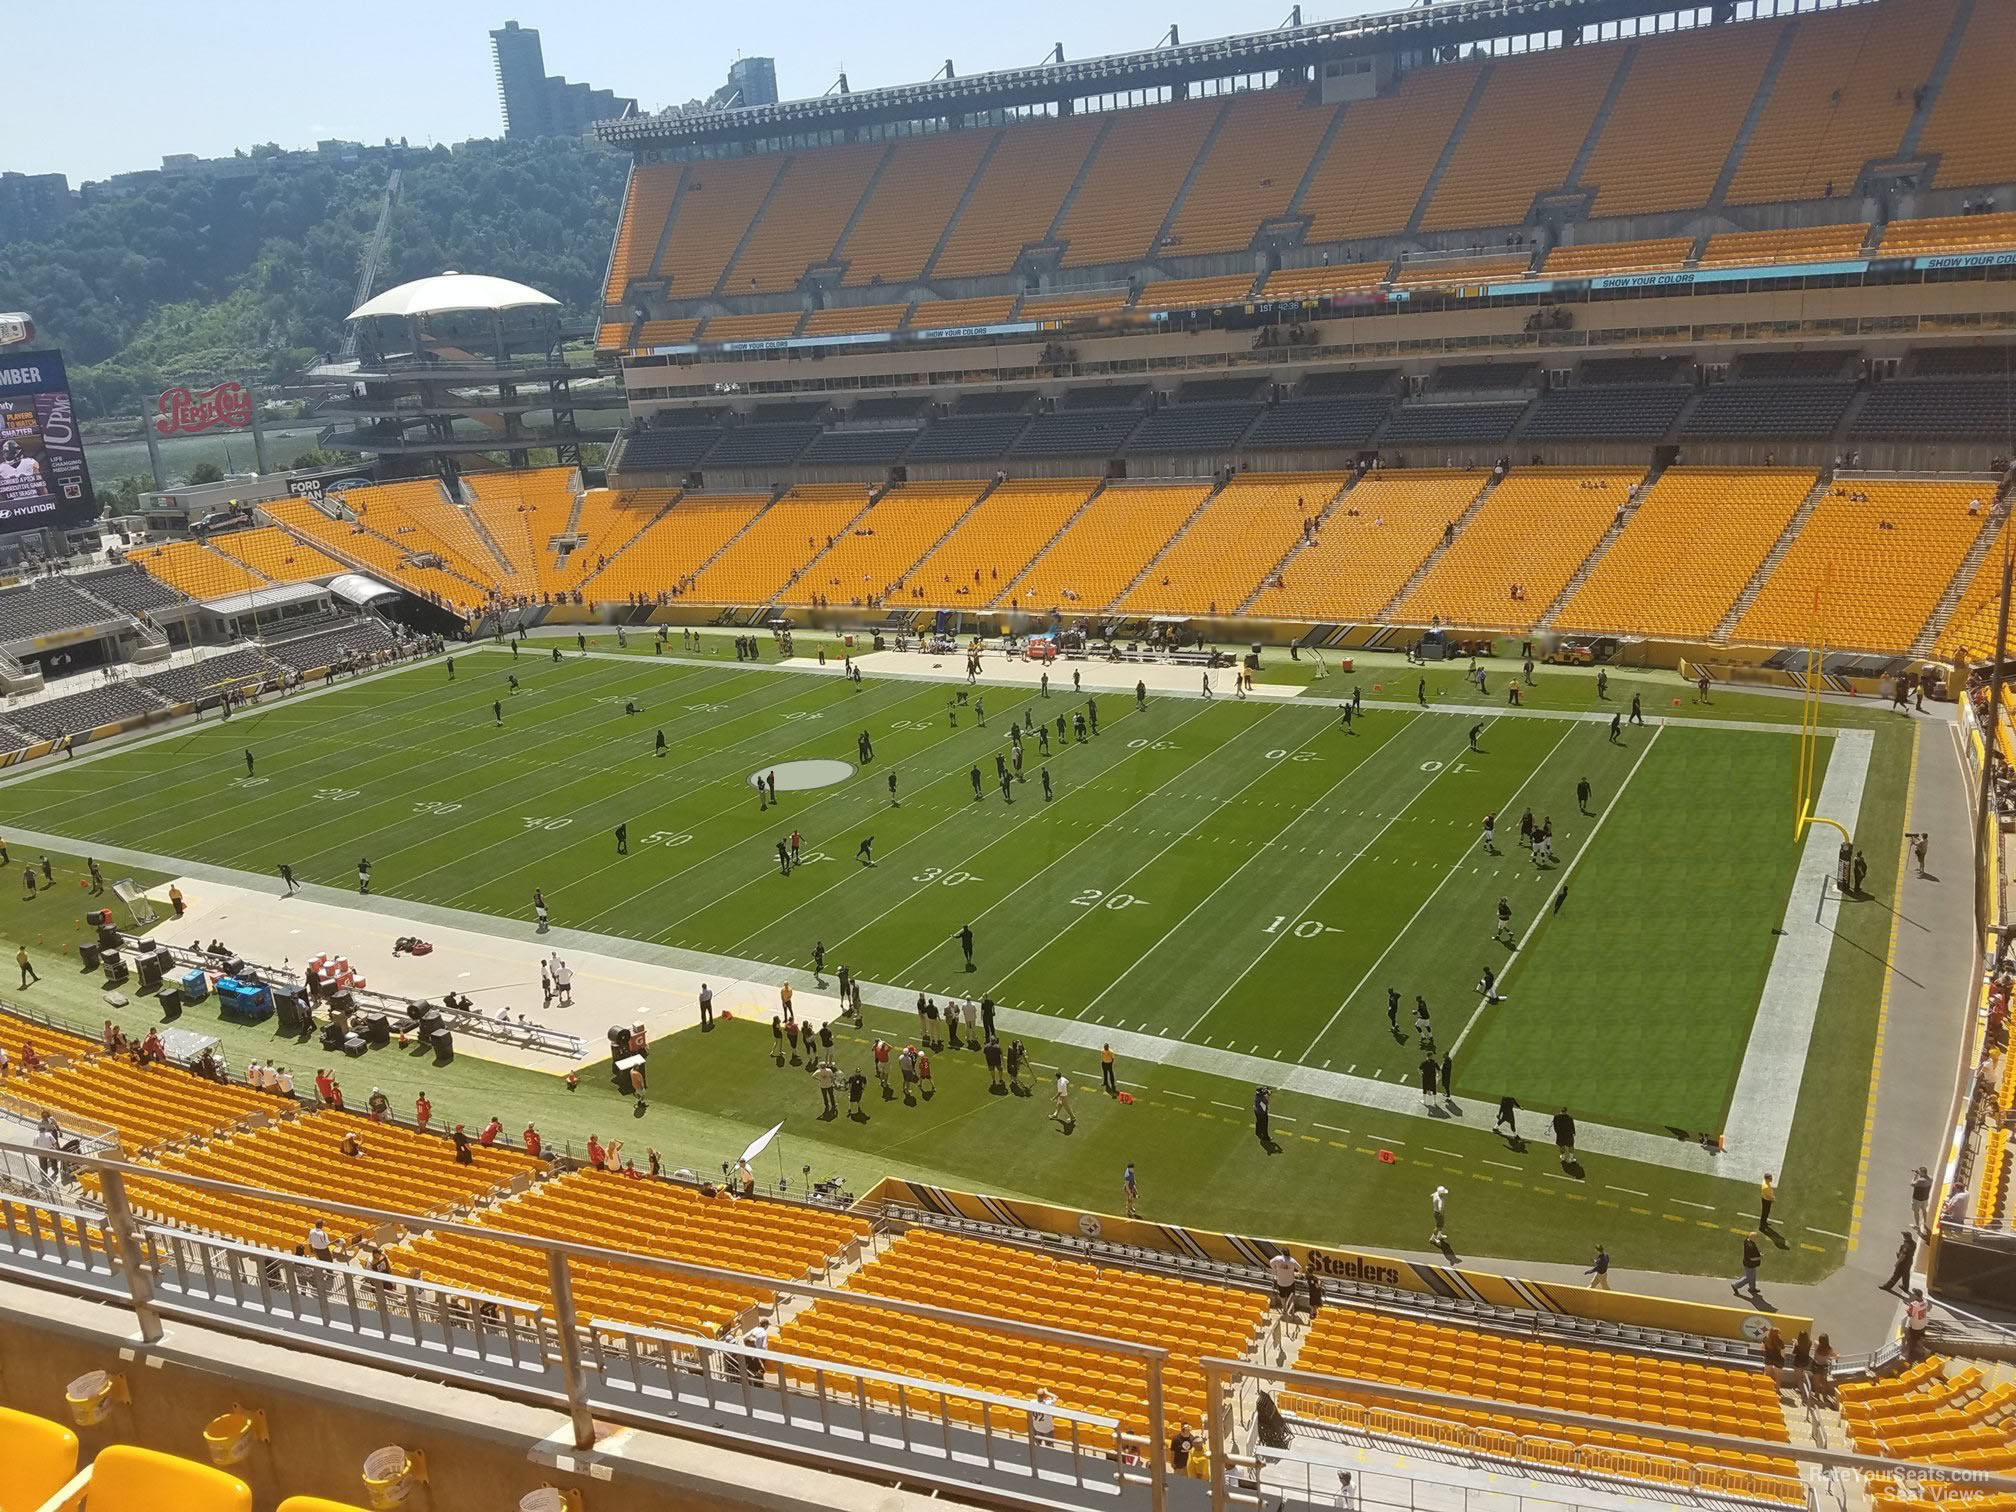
1383 1139
1333 1128
1265 846
1828 1232
1450 1153
1187 1096
1233 1106
1588 842
1504 1167
1121 886
999 836
1701 1205
1627 1191
1401 934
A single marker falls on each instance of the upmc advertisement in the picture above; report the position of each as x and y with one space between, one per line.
43 480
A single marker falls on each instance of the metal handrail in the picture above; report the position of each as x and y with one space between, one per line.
125 1234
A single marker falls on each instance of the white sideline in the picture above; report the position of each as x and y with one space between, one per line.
1759 1126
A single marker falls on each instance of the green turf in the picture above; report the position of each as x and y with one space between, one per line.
1241 875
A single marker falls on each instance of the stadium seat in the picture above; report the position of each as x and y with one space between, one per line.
1190 1318
1706 77
1251 170
668 1220
1617 257
1968 127
1523 136
868 564
1534 530
1371 543
653 544
1076 305
1102 551
987 309
1842 97
195 569
1316 283
1732 249
1017 195
646 204
910 206
127 1479
277 556
764 325
1139 167
1195 293
718 198
1219 562
847 320
769 556
1693 541
316 1504
1946 235
995 542
1404 133
37 1457
1878 555
802 221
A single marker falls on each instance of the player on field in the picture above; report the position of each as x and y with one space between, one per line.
1475 731
1141 695
1007 788
1078 727
514 684
623 839
1092 713
1074 681
1616 729
661 743
966 943
1043 738
1393 1009
1000 767
865 852
497 713
892 791
1046 784
1582 795
1490 841
1526 829
248 762
784 858
1637 711
1503 933
1424 1027
980 711
539 908
1207 684
1508 1116
1017 763
1045 684
1487 987
1344 718
974 775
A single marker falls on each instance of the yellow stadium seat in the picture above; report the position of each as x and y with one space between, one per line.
316 1504
127 1479
37 1457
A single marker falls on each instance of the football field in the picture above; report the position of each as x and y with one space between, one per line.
1236 874
1246 877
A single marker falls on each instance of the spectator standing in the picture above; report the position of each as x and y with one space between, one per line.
1599 1270
1753 1257
1907 1252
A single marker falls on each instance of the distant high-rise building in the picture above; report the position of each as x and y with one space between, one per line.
32 204
537 104
751 81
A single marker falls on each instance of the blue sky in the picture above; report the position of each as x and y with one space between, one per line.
117 84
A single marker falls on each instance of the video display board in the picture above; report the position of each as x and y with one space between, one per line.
43 479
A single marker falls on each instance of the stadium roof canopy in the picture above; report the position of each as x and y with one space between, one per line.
1423 27
451 291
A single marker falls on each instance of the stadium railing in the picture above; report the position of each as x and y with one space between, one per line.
851 1418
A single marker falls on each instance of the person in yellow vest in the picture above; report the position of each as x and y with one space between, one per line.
1106 1070
175 899
1767 1193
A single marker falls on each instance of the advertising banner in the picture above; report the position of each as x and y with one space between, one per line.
43 479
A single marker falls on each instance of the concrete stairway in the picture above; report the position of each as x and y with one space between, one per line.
749 231
507 570
1962 14
965 199
1428 562
1008 589
1602 117
638 534
1750 120
1167 547
875 496
1772 558
966 514
1301 545
867 193
1596 553
1963 579
1183 189
1449 148
1078 183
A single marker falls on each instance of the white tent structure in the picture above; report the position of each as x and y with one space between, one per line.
451 291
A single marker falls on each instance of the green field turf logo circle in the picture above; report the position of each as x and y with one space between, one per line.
797 776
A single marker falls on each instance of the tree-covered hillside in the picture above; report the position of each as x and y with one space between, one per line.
192 279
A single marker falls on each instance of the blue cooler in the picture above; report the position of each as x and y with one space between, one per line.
195 986
248 1002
